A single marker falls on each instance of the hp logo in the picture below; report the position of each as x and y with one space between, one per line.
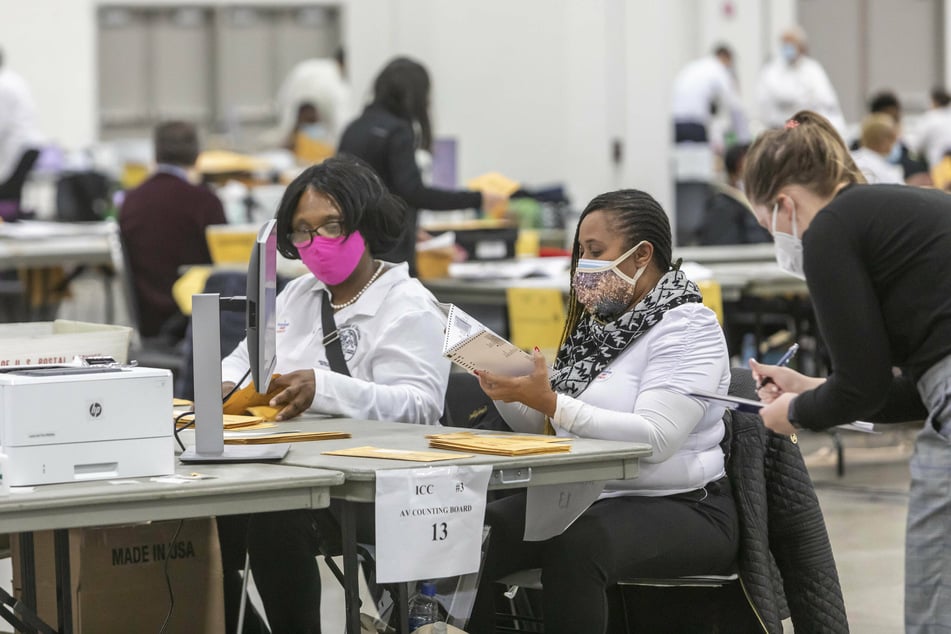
95 410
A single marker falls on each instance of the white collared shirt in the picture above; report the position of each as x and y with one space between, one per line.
641 396
698 85
391 339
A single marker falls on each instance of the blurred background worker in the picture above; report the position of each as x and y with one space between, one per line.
322 82
162 223
879 152
792 81
700 89
18 131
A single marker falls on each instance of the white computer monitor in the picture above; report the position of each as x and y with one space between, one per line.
261 321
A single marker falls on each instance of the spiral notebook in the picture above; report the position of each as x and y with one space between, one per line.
471 345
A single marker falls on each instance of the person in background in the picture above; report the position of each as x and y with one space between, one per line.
932 136
322 82
793 81
309 139
637 342
162 223
879 153
387 136
874 258
18 131
700 88
915 171
727 219
335 217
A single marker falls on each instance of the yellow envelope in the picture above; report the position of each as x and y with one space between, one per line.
396 454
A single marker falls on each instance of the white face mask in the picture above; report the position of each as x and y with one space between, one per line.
604 290
788 247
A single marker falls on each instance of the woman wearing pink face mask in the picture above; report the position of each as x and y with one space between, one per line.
388 365
637 341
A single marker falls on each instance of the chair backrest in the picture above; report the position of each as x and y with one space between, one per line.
13 187
468 406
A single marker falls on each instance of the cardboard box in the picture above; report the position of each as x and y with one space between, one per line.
56 342
118 577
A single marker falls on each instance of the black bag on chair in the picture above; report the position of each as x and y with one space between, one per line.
83 197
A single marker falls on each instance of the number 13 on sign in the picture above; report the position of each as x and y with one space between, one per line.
429 521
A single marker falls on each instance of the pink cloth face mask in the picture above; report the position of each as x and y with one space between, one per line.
332 260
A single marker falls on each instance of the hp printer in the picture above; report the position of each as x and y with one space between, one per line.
63 424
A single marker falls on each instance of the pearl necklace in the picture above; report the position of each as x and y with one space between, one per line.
362 290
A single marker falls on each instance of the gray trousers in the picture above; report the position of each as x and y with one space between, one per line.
928 536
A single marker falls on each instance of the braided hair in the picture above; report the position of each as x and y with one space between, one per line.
365 204
635 215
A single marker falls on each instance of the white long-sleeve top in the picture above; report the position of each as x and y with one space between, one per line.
698 85
932 136
784 89
642 397
391 339
876 167
18 130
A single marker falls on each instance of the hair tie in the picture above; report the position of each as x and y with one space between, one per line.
792 123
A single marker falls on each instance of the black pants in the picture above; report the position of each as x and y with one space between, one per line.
696 132
283 547
631 536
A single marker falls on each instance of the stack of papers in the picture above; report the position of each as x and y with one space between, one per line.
288 436
396 454
500 444
231 421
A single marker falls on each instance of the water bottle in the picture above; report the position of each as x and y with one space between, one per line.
423 608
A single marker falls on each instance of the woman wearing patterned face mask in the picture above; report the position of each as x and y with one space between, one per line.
876 260
334 217
637 341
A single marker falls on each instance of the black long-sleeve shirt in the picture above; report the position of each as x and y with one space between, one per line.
878 266
386 143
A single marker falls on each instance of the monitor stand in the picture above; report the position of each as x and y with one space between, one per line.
209 422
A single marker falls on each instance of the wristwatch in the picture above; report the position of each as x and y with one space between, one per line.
791 415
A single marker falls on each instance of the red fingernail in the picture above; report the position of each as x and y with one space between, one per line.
536 349
476 372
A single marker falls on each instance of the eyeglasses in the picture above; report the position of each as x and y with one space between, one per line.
303 237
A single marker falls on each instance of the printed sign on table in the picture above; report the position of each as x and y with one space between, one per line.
429 521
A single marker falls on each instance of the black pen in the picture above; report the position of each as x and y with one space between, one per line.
783 361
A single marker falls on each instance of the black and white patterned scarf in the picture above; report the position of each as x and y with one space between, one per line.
593 345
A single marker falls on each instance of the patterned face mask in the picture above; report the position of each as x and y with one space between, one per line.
603 289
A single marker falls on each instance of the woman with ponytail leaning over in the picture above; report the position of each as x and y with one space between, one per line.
876 260
638 340
335 217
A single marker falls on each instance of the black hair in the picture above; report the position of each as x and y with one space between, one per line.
637 216
402 88
882 101
176 143
365 203
940 96
733 157
723 50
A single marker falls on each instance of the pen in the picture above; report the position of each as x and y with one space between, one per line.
783 361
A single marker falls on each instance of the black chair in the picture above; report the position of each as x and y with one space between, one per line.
150 352
12 189
468 406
